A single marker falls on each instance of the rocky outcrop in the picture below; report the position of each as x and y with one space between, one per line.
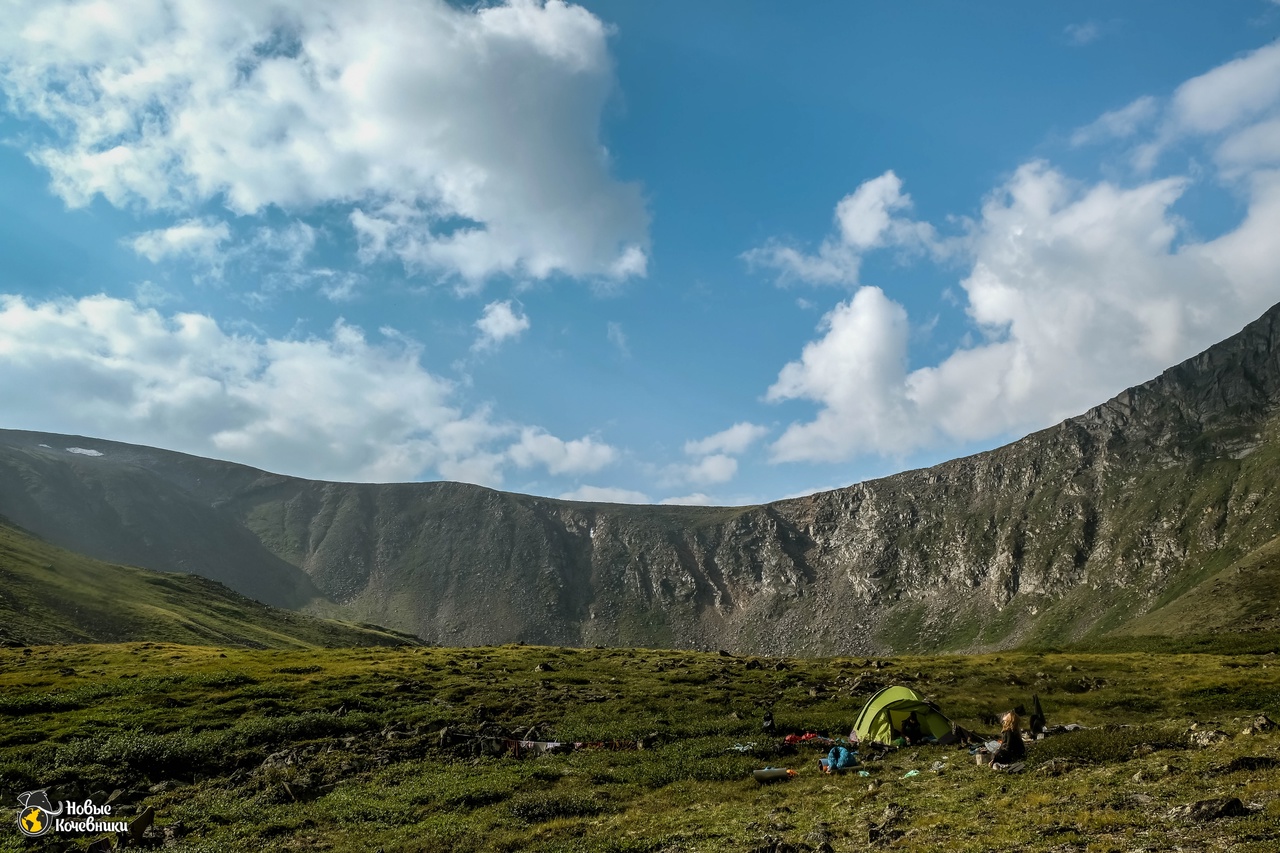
1073 530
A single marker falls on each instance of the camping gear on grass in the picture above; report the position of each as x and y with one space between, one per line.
882 717
838 759
772 774
1038 723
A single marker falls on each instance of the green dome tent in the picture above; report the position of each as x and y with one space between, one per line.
882 716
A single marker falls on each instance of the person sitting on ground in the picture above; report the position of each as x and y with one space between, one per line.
1011 748
911 732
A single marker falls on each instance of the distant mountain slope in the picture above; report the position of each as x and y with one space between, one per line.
1073 531
49 595
142 507
1245 596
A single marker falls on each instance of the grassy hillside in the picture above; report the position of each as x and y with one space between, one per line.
340 750
49 595
1244 596
112 508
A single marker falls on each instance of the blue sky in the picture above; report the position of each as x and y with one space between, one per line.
713 252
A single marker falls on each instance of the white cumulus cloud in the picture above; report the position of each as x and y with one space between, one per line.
716 468
715 460
695 499
606 494
734 440
464 140
335 407
499 322
1075 290
195 238
577 456
1236 91
1236 106
866 219
856 371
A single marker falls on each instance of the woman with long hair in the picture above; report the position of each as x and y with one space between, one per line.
1011 747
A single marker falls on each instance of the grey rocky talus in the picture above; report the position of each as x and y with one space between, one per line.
1075 530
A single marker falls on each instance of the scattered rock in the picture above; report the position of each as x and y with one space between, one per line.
1206 737
283 758
892 813
1260 723
140 824
883 831
1055 767
1207 810
544 667
173 832
821 836
165 786
1084 684
866 683
752 664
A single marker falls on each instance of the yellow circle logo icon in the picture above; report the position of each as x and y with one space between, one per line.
33 822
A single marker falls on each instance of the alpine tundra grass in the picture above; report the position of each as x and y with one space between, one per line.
341 750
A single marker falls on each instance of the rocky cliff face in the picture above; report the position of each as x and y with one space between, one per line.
1073 530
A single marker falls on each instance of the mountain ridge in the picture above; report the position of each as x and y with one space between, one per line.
1070 532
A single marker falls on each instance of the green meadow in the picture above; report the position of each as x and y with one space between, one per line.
239 749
